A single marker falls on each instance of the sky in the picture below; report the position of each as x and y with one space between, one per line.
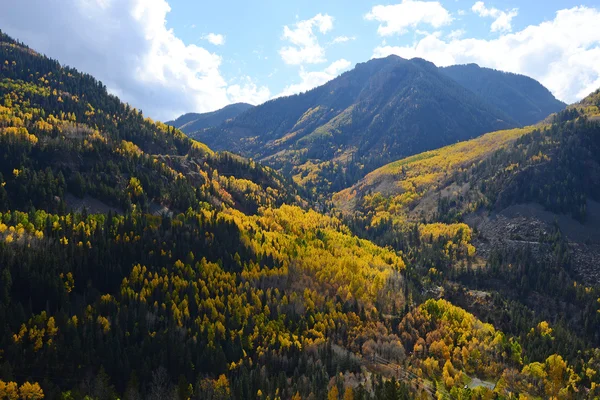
169 57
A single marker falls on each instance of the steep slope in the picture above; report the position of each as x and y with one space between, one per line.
382 110
505 225
71 144
589 106
192 122
514 187
523 98
555 165
204 300
124 300
526 197
403 184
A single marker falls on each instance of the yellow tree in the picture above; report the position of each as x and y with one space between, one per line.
349 394
333 394
449 374
135 187
8 390
560 377
31 391
222 390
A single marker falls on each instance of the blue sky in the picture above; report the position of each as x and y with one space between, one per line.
253 32
168 57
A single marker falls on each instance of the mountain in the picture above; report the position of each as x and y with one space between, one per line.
192 122
493 171
380 111
549 170
521 206
519 96
72 145
138 263
589 107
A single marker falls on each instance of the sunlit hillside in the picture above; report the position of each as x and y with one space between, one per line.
394 189
477 172
136 263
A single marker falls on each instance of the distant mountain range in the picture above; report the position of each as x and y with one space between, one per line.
192 122
382 110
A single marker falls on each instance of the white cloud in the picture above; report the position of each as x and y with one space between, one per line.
456 34
395 19
563 54
305 47
426 33
126 44
311 80
502 19
343 39
215 38
248 92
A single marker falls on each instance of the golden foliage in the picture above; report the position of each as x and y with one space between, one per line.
457 238
448 336
9 390
392 189
333 393
31 391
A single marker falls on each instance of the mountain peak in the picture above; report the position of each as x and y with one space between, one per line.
381 110
422 61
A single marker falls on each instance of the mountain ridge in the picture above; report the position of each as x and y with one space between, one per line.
205 275
380 110
192 122
520 96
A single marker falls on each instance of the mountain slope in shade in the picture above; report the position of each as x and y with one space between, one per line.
380 111
526 100
192 122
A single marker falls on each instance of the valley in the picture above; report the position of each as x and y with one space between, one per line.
392 234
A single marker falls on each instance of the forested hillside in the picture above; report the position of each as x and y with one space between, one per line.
555 164
66 138
519 96
519 208
136 263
